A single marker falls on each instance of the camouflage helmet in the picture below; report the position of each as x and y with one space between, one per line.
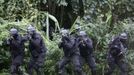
13 31
123 36
64 32
77 27
31 29
82 33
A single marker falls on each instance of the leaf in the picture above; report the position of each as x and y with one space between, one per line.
1 1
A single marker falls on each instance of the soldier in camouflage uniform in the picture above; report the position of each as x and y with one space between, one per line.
86 51
38 50
116 55
71 54
16 44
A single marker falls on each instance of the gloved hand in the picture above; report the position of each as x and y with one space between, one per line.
83 43
29 36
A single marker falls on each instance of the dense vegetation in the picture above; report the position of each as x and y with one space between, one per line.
102 19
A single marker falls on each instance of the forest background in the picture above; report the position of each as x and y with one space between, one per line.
101 19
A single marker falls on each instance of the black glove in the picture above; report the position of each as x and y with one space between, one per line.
116 53
28 36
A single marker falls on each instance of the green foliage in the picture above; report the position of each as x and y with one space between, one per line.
103 20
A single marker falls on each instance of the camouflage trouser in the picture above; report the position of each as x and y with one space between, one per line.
75 60
91 63
16 62
36 64
121 63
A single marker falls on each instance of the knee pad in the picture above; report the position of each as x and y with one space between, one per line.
61 72
59 65
78 68
13 69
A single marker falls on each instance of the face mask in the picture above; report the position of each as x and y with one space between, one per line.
15 36
30 32
123 40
